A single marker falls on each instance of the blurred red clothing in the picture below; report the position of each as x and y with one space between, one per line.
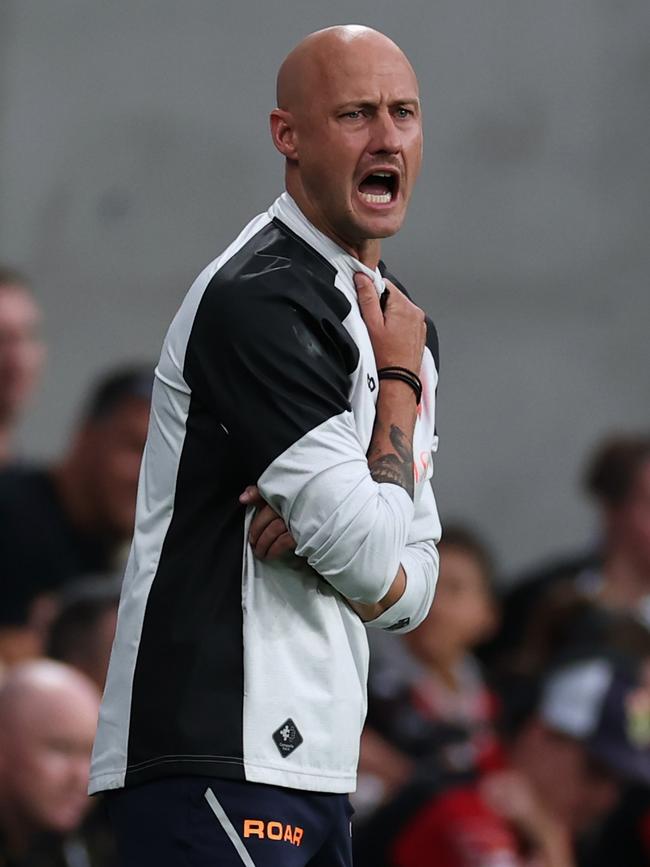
456 829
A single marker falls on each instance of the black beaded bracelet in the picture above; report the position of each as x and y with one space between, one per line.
403 374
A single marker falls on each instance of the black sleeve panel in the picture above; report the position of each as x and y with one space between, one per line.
268 352
432 333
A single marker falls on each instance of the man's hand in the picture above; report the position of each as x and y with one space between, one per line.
398 332
270 539
398 335
268 535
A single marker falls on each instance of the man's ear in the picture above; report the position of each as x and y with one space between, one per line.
283 133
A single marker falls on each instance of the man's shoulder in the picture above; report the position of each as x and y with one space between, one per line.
263 286
269 294
273 266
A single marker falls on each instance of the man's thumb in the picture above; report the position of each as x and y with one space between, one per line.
368 299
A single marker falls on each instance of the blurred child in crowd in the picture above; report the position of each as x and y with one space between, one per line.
429 677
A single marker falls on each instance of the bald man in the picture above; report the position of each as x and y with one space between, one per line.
229 731
48 715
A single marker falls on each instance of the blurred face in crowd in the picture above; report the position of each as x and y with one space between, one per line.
93 656
110 452
629 523
46 736
463 613
21 348
96 663
575 788
349 108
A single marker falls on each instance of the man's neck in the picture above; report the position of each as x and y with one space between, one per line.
366 250
72 490
370 253
626 580
5 444
446 668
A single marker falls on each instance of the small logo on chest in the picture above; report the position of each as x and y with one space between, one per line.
372 385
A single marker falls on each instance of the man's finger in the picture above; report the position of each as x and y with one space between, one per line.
368 301
282 545
268 536
251 496
263 517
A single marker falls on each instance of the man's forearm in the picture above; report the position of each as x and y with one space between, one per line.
395 593
390 460
390 454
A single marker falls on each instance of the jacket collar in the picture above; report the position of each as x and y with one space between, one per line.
287 211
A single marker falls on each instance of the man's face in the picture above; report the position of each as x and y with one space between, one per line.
630 522
97 655
45 757
113 452
359 142
21 348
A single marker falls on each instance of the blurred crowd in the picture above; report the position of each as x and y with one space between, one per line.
511 728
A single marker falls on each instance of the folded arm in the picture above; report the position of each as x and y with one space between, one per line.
276 369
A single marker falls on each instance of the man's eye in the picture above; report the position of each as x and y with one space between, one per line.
353 115
404 112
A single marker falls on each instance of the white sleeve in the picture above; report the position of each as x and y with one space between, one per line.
420 561
274 363
352 530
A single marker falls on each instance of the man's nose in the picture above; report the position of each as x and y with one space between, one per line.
385 134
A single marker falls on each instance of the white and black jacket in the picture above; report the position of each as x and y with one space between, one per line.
225 665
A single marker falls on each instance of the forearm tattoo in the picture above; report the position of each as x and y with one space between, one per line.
394 467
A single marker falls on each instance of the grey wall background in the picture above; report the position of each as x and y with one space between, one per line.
133 146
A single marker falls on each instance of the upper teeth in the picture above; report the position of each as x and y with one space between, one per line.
382 174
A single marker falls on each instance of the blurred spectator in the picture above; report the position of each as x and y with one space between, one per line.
62 522
583 732
21 353
625 836
617 572
569 623
429 676
48 715
464 615
83 630
619 480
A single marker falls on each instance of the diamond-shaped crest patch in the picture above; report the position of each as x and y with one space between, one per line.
287 738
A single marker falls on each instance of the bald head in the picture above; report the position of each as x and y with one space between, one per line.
348 123
37 687
311 62
48 716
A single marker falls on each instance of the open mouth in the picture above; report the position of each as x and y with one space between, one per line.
379 187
